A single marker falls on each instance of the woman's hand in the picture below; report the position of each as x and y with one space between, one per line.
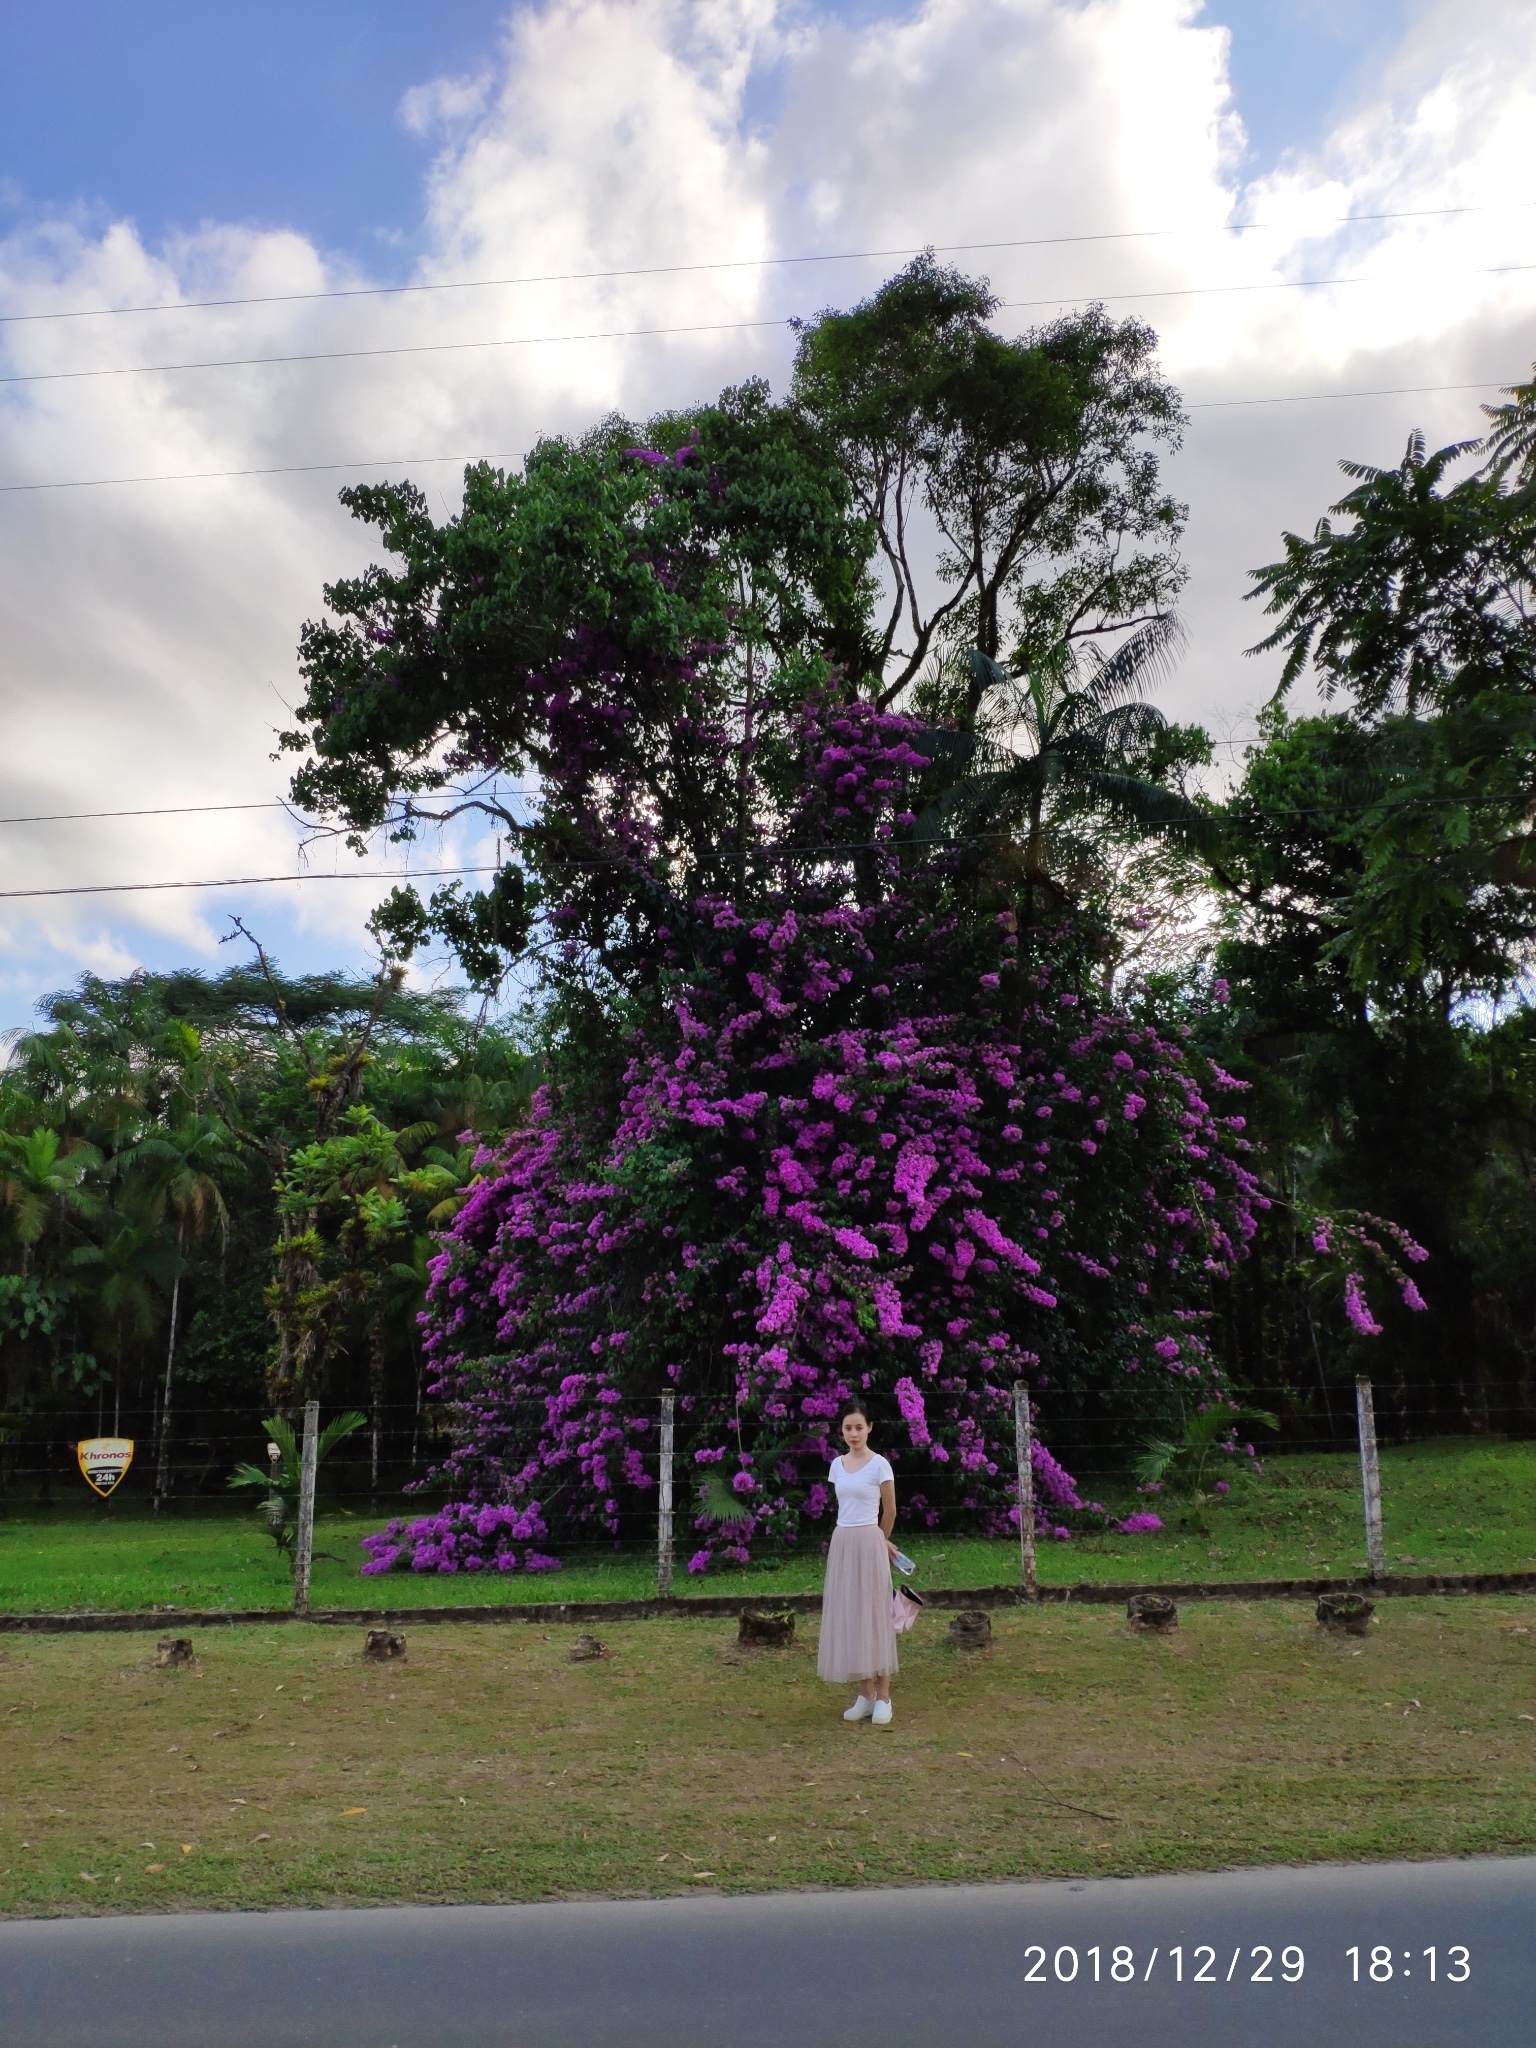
890 1546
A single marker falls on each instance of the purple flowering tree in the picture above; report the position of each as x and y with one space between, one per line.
830 1102
872 1147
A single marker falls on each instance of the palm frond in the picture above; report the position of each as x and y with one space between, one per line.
1512 442
720 1504
945 746
982 801
280 1430
1153 1464
340 1427
985 672
1143 659
1124 726
249 1475
1159 811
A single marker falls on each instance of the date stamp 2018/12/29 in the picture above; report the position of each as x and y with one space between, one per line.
1257 1965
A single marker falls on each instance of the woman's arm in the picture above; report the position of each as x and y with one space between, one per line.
888 1512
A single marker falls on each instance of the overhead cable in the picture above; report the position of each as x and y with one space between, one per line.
244 882
844 849
470 284
158 811
263 804
197 476
421 348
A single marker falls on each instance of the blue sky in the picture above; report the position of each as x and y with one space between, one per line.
167 153
285 113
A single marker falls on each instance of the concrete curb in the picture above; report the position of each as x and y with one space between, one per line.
716 1607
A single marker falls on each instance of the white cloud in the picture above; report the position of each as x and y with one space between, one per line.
149 631
445 105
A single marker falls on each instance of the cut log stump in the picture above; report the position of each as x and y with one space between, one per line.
380 1647
1346 1614
1151 1611
971 1629
586 1649
172 1652
765 1631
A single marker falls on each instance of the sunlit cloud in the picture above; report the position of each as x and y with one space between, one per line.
149 630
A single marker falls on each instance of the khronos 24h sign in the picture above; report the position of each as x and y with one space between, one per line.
104 1460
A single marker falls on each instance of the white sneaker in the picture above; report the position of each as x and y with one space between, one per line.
862 1709
882 1714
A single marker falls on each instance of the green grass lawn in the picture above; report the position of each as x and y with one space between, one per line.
1460 1505
283 1770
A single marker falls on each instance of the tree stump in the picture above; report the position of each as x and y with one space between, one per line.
765 1631
971 1630
172 1652
380 1647
1346 1614
587 1648
1151 1611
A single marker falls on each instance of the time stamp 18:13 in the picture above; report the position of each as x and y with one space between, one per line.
1257 1965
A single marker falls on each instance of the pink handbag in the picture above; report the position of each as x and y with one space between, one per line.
906 1607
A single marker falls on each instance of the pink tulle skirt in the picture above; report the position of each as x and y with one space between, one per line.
858 1630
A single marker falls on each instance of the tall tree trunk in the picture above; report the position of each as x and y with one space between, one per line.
163 1449
376 1350
299 1314
416 1423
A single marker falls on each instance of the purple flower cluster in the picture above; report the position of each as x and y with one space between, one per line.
1351 1239
867 1149
462 1539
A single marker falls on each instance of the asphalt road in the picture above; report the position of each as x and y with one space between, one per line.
1153 1962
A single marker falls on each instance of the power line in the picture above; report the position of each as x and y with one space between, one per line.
188 476
159 811
1315 397
843 849
421 348
265 804
467 284
415 348
244 882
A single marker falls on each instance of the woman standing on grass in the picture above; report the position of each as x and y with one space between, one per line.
858 1630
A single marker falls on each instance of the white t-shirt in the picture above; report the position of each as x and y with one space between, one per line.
858 1493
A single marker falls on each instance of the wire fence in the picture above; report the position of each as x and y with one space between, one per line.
666 1458
1098 1444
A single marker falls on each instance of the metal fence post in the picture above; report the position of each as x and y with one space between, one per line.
1370 1478
304 1540
1022 1433
664 1501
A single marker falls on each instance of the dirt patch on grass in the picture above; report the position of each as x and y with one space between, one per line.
282 1770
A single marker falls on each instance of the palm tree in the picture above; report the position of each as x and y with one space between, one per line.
127 1273
401 1296
40 1182
281 1481
361 1173
1081 718
1511 445
179 1166
41 1185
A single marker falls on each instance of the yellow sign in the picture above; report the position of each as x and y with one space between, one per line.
104 1460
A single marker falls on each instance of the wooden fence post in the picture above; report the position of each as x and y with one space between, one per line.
1022 1433
1370 1479
304 1539
664 1501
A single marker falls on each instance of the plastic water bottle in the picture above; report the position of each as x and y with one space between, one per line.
904 1564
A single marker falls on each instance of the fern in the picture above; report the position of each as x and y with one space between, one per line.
718 1501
